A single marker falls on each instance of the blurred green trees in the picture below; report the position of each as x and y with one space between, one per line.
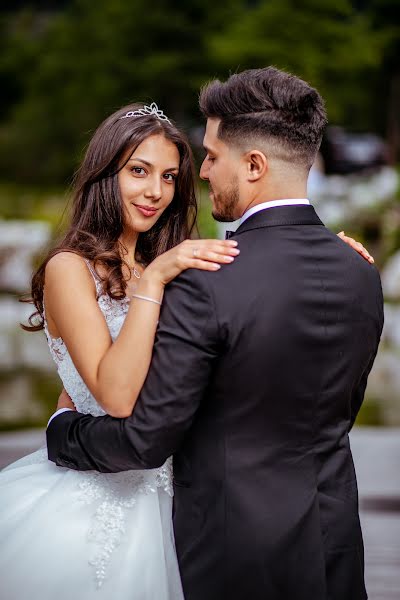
62 71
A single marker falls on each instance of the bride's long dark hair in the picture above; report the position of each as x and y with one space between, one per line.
97 210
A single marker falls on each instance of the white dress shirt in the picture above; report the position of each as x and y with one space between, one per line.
58 412
252 211
271 204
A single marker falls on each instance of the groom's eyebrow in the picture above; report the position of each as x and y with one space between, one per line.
208 149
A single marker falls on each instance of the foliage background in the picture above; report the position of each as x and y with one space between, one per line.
67 64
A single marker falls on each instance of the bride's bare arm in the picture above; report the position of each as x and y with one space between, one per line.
115 372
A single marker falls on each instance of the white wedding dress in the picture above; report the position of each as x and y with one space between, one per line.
69 535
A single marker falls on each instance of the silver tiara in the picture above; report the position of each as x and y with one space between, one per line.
148 110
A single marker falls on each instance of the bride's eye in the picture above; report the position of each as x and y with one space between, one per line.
138 170
170 177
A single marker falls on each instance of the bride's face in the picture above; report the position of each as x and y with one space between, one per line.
147 182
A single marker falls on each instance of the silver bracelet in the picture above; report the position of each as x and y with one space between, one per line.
146 298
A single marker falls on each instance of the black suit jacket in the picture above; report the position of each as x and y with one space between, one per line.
258 373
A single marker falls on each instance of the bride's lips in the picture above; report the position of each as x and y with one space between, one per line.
147 211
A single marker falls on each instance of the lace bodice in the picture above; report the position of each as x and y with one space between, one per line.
114 312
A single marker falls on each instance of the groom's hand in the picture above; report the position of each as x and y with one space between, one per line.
64 401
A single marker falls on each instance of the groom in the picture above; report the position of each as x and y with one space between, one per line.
258 371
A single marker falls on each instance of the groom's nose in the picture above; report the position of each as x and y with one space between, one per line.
204 170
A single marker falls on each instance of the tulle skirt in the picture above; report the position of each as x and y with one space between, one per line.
69 535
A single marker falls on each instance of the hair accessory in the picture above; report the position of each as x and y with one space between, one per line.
148 110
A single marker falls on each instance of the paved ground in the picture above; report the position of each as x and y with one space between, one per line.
15 445
377 459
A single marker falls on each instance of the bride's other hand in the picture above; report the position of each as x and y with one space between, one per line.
356 246
64 401
207 255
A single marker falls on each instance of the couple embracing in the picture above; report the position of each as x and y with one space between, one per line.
202 448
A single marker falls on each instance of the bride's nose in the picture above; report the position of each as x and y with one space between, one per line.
154 188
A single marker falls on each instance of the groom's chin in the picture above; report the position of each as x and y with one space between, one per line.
221 218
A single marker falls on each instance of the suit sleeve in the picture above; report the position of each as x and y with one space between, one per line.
358 393
185 352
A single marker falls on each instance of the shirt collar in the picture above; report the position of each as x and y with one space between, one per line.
271 204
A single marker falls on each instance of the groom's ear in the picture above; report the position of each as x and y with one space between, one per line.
256 165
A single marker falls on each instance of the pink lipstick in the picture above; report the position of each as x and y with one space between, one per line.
147 211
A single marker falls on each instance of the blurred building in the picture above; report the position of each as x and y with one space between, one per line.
343 152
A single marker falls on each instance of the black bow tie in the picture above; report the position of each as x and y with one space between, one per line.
229 234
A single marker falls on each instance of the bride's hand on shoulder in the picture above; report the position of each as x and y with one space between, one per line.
207 255
357 246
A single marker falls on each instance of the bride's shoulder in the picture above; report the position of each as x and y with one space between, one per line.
65 259
66 267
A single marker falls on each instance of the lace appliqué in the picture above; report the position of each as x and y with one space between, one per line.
57 348
116 493
114 312
164 477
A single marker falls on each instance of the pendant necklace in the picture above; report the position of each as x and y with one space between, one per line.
135 271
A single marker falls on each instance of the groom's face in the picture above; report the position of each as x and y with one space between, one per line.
220 168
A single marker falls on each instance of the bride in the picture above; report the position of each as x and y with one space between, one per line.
98 294
92 535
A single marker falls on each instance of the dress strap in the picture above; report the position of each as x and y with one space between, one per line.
96 277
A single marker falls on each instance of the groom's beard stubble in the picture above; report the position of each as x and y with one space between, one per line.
225 203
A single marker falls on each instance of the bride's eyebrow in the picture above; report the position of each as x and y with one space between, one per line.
145 162
148 164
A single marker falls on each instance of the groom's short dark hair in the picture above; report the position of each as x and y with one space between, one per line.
268 107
